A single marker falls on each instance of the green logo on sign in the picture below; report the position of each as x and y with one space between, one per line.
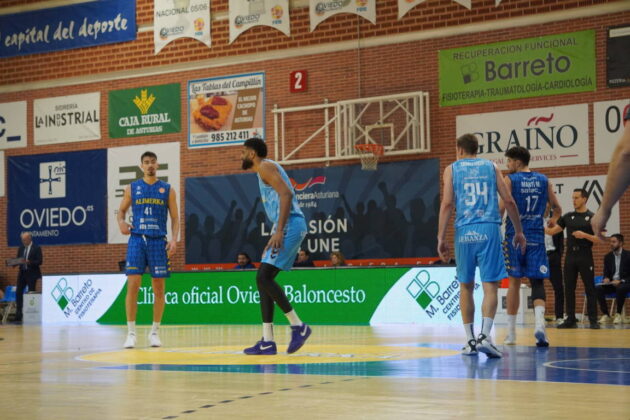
423 290
145 111
62 293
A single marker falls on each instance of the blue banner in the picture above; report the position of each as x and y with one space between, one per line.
388 213
67 27
61 198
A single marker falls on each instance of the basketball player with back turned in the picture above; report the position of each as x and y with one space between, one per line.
471 185
288 233
151 200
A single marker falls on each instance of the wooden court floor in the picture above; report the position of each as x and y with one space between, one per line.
390 371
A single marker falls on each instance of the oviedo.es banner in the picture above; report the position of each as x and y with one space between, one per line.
523 68
353 296
389 213
59 197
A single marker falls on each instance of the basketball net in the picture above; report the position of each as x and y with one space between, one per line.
369 154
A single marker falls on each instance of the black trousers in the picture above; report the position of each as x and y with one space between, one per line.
604 289
22 282
580 262
555 275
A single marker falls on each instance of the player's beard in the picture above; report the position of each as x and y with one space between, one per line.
247 163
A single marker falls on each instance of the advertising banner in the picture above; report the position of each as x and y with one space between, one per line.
12 125
174 19
608 118
59 197
67 27
320 10
145 111
555 136
523 68
79 298
123 167
67 119
245 15
389 213
353 296
594 186
617 59
225 111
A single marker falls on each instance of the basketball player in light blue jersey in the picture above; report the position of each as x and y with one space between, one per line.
151 201
531 192
288 233
470 187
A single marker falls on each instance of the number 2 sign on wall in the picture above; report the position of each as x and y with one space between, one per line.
298 81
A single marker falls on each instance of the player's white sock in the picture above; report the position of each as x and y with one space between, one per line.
486 326
267 331
131 327
470 331
511 324
155 327
294 319
539 315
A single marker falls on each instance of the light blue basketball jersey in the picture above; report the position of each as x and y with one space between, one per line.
475 188
149 206
530 192
271 200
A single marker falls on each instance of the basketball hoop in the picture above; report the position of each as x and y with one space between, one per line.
369 154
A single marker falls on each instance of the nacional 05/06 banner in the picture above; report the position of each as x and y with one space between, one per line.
524 68
389 213
145 111
354 296
67 27
59 197
225 111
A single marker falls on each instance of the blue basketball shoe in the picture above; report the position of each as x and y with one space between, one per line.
262 348
298 337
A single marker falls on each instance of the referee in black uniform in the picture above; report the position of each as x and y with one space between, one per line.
579 257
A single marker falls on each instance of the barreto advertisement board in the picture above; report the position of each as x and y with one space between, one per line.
350 296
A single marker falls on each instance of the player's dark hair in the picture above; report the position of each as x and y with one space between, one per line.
149 155
469 143
249 260
619 236
582 191
257 145
305 251
519 153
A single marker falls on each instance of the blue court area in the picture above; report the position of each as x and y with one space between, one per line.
609 366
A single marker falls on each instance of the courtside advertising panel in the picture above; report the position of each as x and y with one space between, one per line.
555 136
354 296
523 68
59 197
79 298
225 111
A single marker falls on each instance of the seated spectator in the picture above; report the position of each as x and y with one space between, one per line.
303 259
616 278
337 259
243 261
